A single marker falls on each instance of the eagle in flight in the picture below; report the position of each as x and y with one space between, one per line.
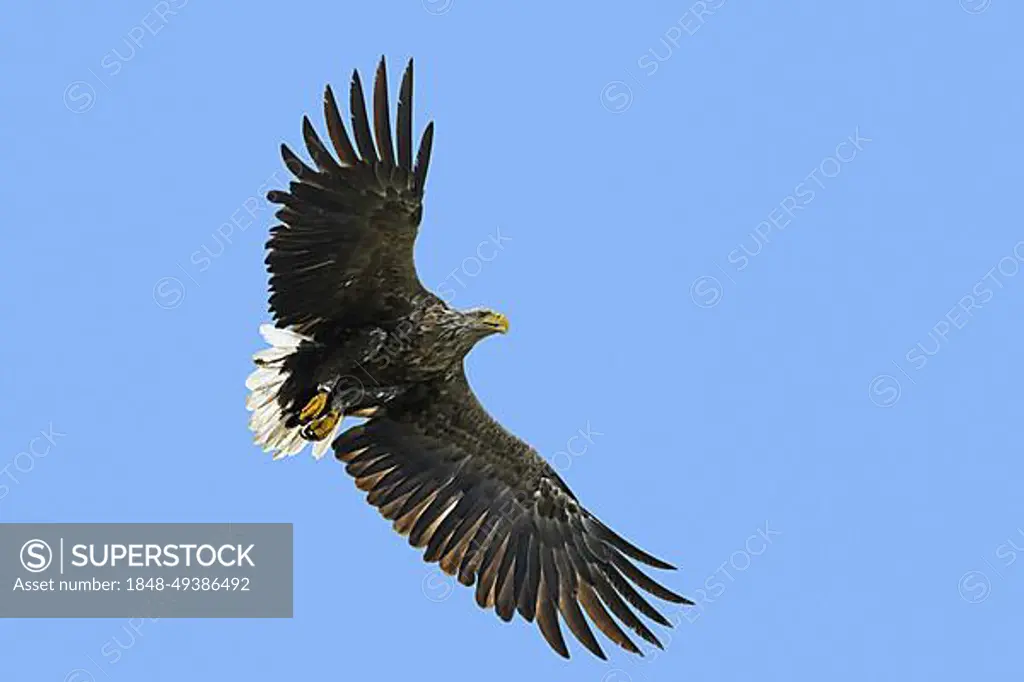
356 333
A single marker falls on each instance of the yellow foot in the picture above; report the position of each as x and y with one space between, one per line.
322 427
314 407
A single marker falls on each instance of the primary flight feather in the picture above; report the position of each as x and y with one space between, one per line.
356 333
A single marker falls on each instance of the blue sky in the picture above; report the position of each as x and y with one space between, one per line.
766 254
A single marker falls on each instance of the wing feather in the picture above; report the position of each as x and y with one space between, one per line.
325 163
531 579
444 531
592 605
336 129
382 117
547 622
423 156
570 608
405 119
360 122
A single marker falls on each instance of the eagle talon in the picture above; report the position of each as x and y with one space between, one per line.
315 407
321 427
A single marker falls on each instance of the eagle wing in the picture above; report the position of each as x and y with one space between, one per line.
490 510
343 254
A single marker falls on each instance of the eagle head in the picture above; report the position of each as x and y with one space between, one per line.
484 322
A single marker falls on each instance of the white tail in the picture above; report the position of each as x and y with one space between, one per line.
264 384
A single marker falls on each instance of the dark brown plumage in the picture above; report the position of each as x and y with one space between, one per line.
349 309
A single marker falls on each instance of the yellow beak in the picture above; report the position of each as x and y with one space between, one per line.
497 321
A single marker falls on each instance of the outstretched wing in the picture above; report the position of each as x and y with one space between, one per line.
344 251
491 511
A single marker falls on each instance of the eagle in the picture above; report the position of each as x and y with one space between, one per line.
355 333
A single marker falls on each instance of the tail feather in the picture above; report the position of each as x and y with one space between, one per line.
279 337
270 421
